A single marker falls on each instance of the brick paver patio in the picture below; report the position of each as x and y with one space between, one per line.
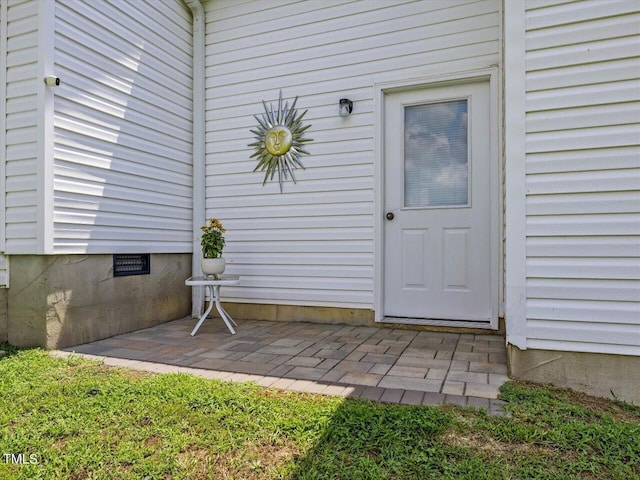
389 365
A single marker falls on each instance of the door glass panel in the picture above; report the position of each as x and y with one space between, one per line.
436 160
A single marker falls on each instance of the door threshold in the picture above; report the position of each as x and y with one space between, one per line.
435 322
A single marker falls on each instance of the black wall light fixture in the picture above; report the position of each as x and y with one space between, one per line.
346 107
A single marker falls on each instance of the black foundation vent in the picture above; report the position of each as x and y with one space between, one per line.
131 264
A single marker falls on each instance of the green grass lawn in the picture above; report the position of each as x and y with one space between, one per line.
75 419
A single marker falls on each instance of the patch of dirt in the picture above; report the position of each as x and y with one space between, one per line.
153 441
250 462
619 411
491 445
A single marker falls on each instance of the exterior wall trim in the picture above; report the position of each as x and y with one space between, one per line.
199 147
3 124
380 89
515 206
44 130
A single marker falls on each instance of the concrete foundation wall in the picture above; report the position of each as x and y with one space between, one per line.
65 300
602 375
3 315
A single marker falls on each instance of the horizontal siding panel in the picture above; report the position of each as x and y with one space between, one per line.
578 54
18 213
604 246
347 298
21 199
617 180
582 96
108 178
587 117
602 268
617 334
595 289
302 185
19 233
340 174
99 203
238 249
293 271
123 128
21 246
591 74
338 284
585 311
574 12
584 32
22 119
117 219
583 203
303 259
22 183
580 139
21 136
17 168
119 234
345 220
286 211
583 160
260 199
120 193
21 153
295 234
95 153
578 225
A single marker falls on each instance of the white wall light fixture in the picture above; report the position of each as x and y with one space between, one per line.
52 81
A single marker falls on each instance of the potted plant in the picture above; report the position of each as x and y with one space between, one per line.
212 244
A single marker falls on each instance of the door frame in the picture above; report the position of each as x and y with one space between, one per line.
435 81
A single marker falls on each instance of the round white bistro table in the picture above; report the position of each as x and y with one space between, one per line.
212 284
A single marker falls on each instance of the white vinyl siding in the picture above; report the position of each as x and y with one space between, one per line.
20 142
4 271
583 176
123 127
314 244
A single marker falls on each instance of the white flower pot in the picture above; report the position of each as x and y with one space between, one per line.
213 266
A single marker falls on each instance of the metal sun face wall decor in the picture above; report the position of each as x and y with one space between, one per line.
279 141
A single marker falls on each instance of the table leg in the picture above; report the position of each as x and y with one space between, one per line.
225 316
206 313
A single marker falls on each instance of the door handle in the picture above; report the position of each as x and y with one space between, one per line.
390 216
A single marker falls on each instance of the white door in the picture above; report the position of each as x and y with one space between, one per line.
438 204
